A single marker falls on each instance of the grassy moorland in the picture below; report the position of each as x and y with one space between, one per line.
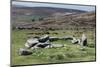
54 25
69 53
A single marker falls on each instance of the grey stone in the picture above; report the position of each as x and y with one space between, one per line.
31 42
42 45
44 42
44 38
57 45
23 51
79 41
53 38
47 45
66 38
83 40
60 38
74 41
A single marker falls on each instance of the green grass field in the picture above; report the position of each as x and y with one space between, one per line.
69 53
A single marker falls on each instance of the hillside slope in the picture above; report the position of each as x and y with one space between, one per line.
41 11
84 20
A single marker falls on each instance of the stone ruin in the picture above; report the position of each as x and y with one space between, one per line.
45 42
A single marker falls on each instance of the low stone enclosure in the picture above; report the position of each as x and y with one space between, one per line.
45 42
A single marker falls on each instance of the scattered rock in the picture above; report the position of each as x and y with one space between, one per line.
74 41
31 42
53 38
23 51
60 38
43 45
83 40
44 42
79 41
57 45
67 38
44 39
